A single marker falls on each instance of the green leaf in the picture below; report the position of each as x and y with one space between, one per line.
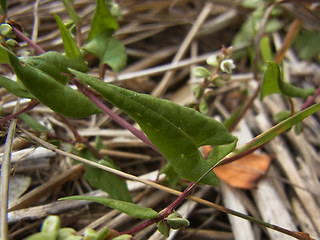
101 21
5 29
278 129
109 50
307 45
220 151
68 234
201 72
265 49
115 186
228 122
32 123
112 184
3 4
60 98
172 178
55 64
175 130
163 228
103 233
51 225
41 236
130 209
123 237
72 13
280 116
274 83
71 48
14 88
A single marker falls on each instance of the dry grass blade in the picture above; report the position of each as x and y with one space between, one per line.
5 173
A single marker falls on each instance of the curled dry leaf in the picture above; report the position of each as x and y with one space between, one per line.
245 172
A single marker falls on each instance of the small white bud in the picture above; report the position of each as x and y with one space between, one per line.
212 61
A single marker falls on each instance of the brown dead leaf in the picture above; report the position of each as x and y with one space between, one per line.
244 172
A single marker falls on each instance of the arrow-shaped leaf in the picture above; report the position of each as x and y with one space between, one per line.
109 50
59 97
175 130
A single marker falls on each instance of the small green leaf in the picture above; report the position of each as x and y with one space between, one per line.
280 116
203 106
71 48
109 50
198 91
177 131
41 236
130 209
51 225
101 21
201 72
306 44
72 13
68 234
14 88
123 237
163 228
108 182
172 178
177 223
265 49
274 83
220 151
32 123
5 29
90 234
55 64
115 186
212 61
60 98
103 233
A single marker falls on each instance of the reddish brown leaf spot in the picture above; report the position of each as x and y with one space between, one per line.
245 172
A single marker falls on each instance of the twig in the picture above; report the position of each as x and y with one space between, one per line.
31 105
5 173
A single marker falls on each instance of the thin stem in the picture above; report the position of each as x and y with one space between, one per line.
311 100
28 40
79 138
31 105
114 116
293 30
5 173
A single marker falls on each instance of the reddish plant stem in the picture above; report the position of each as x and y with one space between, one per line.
28 40
31 105
311 100
79 138
114 116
